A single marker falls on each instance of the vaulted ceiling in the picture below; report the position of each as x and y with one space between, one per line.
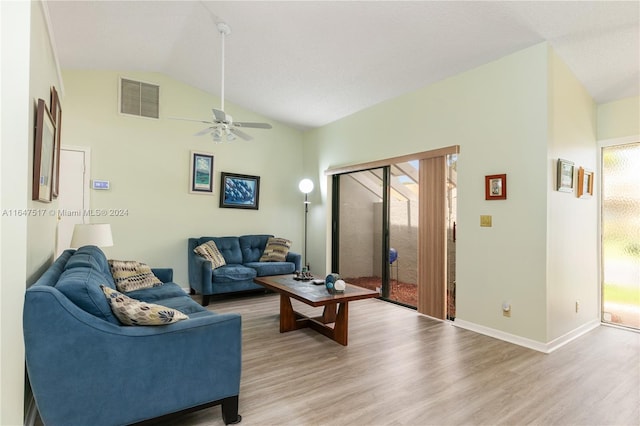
308 63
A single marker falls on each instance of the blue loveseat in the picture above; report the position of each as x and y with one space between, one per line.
242 255
86 368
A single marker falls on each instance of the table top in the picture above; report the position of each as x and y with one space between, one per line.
312 294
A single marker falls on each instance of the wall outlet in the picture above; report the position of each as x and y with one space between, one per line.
506 309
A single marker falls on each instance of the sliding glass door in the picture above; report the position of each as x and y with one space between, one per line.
378 230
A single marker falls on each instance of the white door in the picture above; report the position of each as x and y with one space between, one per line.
73 198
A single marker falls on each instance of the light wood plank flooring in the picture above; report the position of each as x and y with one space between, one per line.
401 368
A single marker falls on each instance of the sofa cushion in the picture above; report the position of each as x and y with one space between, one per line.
264 269
252 246
184 304
276 250
210 251
81 285
131 275
133 312
157 294
228 246
232 273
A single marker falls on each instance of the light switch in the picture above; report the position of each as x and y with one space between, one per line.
485 221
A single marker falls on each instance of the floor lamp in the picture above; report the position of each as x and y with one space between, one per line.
306 186
92 234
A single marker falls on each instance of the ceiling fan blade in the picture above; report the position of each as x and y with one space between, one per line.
205 131
241 134
191 119
220 115
253 125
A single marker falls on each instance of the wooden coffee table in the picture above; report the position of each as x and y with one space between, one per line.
336 306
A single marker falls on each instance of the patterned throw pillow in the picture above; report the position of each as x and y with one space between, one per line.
130 275
209 251
133 312
276 250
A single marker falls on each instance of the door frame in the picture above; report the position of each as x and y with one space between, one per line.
86 185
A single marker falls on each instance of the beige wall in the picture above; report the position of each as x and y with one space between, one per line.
619 119
572 230
503 121
147 163
29 70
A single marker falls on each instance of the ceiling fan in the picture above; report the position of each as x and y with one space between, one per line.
222 123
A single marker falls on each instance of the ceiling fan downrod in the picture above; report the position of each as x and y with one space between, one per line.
224 30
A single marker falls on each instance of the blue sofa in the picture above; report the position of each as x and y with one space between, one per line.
242 255
86 368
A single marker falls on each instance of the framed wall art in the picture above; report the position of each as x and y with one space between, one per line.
565 175
201 176
43 154
239 191
56 116
495 187
585 183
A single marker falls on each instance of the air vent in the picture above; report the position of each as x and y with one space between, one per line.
138 98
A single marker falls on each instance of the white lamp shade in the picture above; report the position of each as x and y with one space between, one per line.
92 234
306 186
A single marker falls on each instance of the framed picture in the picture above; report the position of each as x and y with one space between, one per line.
239 191
43 154
585 183
201 179
495 187
565 175
56 116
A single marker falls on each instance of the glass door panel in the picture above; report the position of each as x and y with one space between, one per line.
621 235
360 231
403 233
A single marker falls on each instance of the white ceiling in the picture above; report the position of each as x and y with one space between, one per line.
308 63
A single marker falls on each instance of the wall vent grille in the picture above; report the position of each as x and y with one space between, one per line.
140 99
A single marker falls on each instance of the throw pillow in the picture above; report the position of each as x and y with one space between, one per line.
276 250
209 251
134 312
130 275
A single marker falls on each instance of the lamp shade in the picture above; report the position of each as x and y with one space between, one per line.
92 234
306 186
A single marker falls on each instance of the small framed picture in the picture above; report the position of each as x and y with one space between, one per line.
239 191
201 179
565 173
585 183
495 187
45 140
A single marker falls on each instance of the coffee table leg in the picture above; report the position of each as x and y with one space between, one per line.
341 327
287 315
329 313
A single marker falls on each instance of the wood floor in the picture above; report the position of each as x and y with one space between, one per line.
401 368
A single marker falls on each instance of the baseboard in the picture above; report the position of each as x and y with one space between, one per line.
529 343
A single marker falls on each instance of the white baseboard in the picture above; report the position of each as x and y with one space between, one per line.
529 343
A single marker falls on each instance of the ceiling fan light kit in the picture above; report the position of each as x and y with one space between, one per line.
222 123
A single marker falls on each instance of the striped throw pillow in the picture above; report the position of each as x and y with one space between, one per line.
130 275
209 251
276 250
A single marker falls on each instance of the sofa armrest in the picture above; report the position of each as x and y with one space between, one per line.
202 272
87 371
295 258
164 274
